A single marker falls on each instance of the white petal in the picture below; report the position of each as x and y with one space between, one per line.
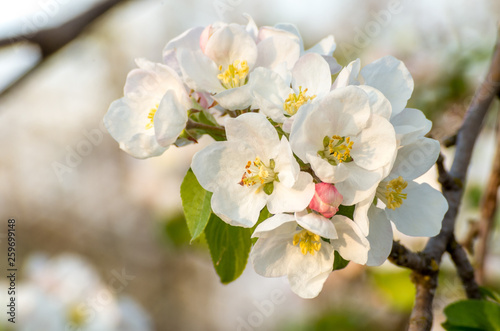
359 185
190 39
392 78
325 46
351 244
199 71
380 237
271 256
326 172
378 102
169 120
410 124
421 213
312 72
277 224
286 165
348 75
231 43
255 130
361 214
296 198
238 205
317 224
270 91
221 164
376 145
415 159
276 50
127 126
235 98
308 273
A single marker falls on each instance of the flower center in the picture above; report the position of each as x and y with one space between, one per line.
337 149
295 101
151 117
393 193
235 75
257 172
307 241
76 316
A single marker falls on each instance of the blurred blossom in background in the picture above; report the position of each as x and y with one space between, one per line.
71 189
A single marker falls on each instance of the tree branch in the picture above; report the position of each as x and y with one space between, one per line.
464 269
421 317
52 39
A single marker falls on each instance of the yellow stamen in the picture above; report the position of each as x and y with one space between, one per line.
235 75
393 193
307 241
339 149
151 117
295 101
257 172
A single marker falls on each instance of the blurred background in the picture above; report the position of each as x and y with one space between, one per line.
77 197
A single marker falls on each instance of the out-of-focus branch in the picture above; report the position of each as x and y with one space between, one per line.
52 39
421 317
488 209
403 257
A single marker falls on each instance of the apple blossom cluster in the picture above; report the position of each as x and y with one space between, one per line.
330 163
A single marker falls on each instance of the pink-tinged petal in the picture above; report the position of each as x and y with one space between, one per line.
312 72
231 43
205 36
285 199
316 224
380 237
422 211
326 199
351 243
375 146
391 77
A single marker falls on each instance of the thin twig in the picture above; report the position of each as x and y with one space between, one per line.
488 209
464 269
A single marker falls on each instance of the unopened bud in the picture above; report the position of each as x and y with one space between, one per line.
326 200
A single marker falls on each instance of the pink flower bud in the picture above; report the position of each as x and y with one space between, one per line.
326 200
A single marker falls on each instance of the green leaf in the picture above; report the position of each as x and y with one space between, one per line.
347 211
487 293
339 262
472 315
196 204
229 247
